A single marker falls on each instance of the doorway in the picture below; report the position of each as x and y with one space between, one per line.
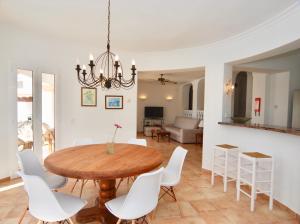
48 113
25 109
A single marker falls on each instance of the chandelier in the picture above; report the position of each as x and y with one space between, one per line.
106 71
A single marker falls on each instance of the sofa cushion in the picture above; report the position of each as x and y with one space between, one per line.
186 123
173 130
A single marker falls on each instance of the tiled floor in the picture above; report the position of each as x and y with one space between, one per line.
198 202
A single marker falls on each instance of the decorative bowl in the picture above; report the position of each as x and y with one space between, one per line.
240 120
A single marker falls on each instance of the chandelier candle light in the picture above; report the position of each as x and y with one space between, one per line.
106 71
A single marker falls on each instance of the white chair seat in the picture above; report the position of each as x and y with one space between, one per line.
70 204
141 199
54 181
47 205
115 205
169 179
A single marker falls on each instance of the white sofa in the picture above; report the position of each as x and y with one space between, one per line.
184 129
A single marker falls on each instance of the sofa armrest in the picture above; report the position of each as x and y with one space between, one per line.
189 134
167 125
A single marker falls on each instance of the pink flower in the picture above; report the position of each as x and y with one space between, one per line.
118 126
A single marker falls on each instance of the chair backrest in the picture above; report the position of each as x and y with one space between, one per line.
142 198
29 163
43 204
136 141
176 163
83 141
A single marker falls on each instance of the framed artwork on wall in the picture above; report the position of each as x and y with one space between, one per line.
113 102
88 97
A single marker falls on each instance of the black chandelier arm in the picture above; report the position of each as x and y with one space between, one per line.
127 83
106 71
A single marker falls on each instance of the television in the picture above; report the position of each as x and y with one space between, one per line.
154 112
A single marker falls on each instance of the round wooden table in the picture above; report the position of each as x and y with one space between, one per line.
92 162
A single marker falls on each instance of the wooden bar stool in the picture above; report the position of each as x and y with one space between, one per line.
224 163
257 171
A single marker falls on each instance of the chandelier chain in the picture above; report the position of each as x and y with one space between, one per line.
108 24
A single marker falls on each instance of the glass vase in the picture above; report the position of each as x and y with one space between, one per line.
110 148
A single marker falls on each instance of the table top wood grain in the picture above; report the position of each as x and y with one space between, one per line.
93 162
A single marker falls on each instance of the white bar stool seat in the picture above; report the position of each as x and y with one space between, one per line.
257 171
224 164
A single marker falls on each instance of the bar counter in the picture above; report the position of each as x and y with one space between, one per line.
266 127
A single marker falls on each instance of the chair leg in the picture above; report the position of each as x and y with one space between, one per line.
70 220
169 191
119 184
119 221
23 215
81 188
173 193
148 220
74 185
152 214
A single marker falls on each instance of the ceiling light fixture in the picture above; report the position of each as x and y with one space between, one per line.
106 71
169 98
142 97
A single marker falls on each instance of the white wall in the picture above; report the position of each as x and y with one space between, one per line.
156 96
261 41
277 99
45 55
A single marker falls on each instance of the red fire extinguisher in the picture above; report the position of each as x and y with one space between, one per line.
257 106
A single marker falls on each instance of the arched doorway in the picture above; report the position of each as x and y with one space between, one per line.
243 94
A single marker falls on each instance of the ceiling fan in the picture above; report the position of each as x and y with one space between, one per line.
163 80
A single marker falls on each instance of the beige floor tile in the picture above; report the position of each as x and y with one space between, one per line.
214 217
203 205
186 209
168 209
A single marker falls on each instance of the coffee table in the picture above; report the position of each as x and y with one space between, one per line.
163 133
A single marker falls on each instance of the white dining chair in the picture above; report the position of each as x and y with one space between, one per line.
141 199
80 142
172 173
47 205
30 165
133 141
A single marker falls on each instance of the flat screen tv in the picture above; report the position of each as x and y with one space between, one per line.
154 112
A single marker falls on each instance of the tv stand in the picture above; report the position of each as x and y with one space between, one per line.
152 123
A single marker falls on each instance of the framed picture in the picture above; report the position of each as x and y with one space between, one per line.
113 102
88 97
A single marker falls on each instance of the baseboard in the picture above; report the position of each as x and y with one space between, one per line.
277 203
5 179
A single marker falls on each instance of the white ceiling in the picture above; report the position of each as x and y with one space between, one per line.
141 25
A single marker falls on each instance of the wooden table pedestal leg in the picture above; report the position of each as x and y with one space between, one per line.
99 212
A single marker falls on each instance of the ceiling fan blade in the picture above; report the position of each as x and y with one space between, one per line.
170 81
